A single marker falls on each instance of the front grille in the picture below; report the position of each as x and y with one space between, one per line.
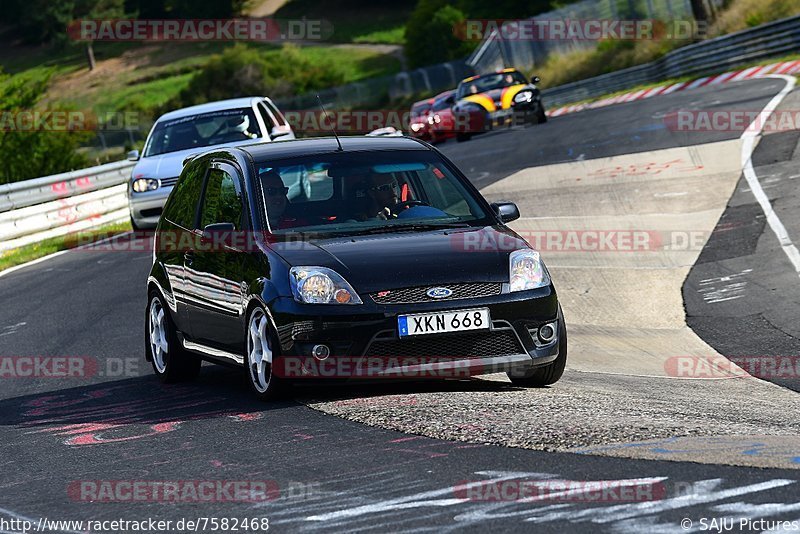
168 182
465 345
410 295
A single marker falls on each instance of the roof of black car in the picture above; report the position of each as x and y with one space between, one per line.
323 145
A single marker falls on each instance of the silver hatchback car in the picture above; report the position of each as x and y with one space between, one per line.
182 133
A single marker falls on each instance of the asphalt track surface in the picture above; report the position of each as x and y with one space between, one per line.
124 425
742 295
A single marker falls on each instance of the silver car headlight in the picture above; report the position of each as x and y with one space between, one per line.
320 285
523 97
526 270
140 185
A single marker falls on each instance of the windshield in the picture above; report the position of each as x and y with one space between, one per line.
208 129
441 103
364 192
419 109
489 82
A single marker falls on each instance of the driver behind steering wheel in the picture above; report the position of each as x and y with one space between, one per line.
382 196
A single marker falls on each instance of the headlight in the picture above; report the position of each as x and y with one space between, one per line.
526 270
141 185
320 285
415 127
523 97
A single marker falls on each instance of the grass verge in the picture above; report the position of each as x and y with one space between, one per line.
34 251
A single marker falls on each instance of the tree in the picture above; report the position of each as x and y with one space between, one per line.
431 36
97 10
241 70
29 153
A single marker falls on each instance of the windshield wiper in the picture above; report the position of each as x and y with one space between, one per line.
389 228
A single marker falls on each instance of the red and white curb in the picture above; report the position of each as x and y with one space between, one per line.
786 67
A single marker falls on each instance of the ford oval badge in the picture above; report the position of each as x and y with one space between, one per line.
439 292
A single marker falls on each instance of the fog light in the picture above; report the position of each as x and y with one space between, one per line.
547 333
342 296
321 352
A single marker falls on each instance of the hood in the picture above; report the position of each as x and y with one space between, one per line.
170 165
496 98
407 259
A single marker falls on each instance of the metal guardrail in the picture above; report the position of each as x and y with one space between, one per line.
38 190
55 205
769 40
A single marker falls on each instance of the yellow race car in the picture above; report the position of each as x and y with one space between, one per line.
497 99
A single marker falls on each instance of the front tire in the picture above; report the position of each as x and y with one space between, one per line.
261 353
550 373
171 362
541 116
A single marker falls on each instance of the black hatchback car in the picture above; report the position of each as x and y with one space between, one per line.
361 258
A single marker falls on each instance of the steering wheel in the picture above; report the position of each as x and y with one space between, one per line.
405 204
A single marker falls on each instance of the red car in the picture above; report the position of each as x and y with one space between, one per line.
418 120
446 123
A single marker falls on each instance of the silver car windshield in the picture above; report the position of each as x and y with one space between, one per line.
207 129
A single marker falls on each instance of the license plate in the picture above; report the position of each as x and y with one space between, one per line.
441 322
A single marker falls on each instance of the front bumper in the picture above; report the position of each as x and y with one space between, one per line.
363 340
146 208
525 112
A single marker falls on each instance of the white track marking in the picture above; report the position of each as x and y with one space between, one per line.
56 254
748 144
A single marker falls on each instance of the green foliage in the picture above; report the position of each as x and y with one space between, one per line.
430 35
26 253
195 9
507 9
354 21
244 71
30 153
42 21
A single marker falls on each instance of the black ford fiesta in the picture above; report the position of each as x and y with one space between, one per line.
365 258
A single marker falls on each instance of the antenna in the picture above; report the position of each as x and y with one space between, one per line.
332 129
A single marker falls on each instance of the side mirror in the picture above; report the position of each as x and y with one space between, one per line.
507 211
279 131
535 80
133 155
217 228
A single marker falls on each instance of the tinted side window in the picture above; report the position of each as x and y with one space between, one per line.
222 201
182 204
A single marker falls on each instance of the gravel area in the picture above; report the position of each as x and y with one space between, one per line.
582 410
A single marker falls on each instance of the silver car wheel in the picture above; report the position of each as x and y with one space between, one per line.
259 351
158 335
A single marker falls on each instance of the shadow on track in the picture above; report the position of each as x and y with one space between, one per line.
218 392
